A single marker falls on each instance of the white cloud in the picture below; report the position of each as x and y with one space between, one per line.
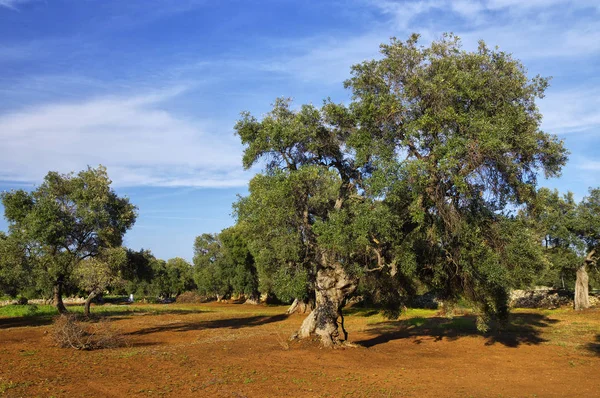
591 165
139 141
532 30
571 111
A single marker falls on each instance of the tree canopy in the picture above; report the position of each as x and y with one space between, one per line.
67 219
412 180
224 265
571 233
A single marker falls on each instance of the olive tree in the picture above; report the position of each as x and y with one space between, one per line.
212 280
224 265
409 181
67 219
571 236
240 262
15 270
95 274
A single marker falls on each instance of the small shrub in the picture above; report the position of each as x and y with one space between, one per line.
22 300
189 298
69 331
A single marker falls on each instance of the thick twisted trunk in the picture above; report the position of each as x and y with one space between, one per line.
58 301
581 300
333 287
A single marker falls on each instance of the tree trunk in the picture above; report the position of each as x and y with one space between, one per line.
301 306
582 300
254 299
58 301
333 287
88 301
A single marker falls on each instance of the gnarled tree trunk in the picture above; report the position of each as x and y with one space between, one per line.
88 302
581 300
333 286
58 301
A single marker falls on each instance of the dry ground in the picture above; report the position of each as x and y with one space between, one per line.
228 350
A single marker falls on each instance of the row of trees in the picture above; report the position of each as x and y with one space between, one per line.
65 237
425 181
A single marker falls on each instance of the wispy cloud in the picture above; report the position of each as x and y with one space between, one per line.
572 111
326 59
139 141
14 4
590 165
536 29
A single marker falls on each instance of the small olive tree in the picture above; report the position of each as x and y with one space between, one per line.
571 236
67 219
95 274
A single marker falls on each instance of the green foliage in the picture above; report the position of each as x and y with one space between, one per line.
277 217
570 231
148 276
410 182
211 279
180 273
224 265
95 274
138 272
15 271
237 256
67 219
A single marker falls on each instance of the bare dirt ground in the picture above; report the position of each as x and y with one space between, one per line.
227 350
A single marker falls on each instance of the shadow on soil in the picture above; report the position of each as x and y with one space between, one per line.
594 347
43 320
524 328
17 322
229 323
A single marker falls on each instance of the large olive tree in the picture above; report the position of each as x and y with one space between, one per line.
409 181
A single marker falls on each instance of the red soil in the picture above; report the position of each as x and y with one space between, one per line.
225 350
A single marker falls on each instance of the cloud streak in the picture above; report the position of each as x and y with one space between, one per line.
572 111
531 29
139 141
13 4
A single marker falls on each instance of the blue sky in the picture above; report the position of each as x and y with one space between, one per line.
152 88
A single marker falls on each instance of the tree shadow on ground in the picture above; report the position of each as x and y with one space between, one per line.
127 312
227 323
26 321
116 314
594 347
523 328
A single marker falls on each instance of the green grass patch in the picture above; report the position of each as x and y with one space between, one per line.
33 310
419 313
15 311
460 324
